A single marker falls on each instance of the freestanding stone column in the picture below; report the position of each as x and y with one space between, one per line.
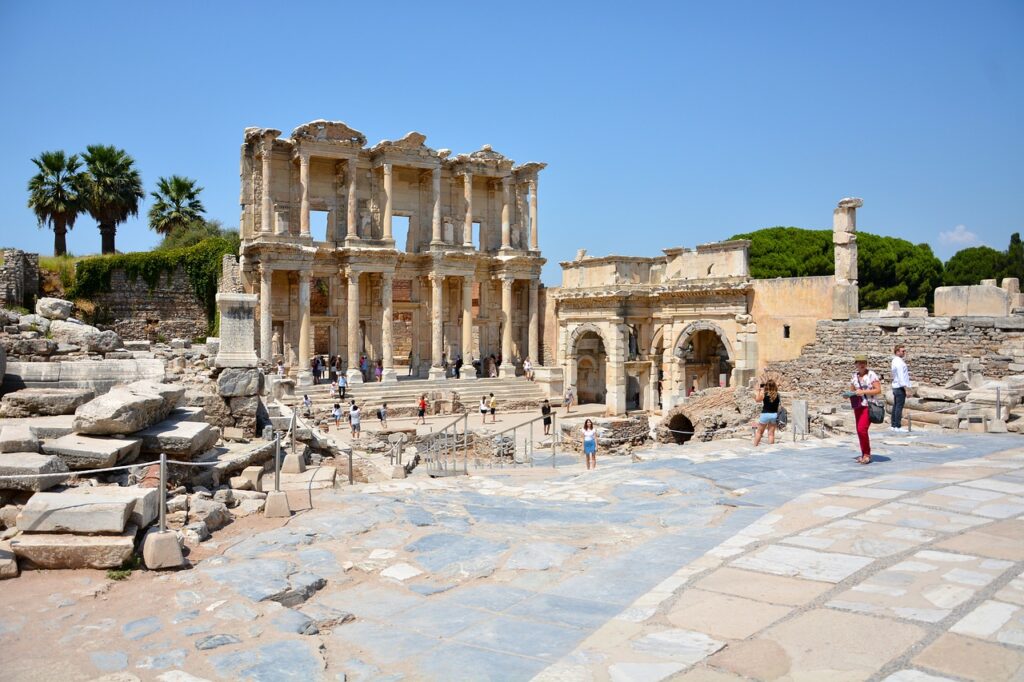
507 367
351 224
266 322
237 312
387 325
304 376
533 216
467 329
467 225
435 225
267 209
436 325
304 188
845 291
389 195
533 344
506 213
354 375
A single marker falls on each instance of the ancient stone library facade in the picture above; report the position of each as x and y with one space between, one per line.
399 252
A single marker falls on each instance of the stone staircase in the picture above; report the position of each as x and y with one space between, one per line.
405 394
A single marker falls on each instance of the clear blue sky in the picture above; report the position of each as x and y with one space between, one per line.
663 124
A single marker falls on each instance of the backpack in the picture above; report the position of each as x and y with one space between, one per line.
380 414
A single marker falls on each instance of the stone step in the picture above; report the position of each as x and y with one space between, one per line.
128 408
145 502
75 551
52 427
21 463
178 438
71 512
33 402
93 452
18 437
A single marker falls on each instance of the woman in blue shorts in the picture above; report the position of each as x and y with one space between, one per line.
590 444
768 395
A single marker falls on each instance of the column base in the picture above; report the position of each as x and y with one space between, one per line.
436 373
304 378
389 376
354 376
293 464
506 370
277 506
471 374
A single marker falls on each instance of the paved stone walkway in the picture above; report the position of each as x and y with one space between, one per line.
700 562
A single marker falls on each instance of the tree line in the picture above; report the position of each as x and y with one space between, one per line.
105 183
888 268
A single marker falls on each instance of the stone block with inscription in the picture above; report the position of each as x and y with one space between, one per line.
237 324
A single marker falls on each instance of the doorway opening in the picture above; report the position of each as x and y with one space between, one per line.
318 224
681 429
400 232
591 361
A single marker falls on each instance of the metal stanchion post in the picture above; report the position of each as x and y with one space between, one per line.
160 548
910 423
294 424
163 492
554 439
465 443
277 463
531 443
999 406
351 476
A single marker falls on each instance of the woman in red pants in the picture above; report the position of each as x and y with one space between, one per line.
864 384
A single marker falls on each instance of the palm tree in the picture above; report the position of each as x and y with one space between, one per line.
177 204
113 189
55 195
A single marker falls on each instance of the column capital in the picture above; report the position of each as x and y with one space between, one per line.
305 274
386 167
534 284
437 276
303 157
352 273
266 270
506 281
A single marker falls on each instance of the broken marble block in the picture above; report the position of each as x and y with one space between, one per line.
54 308
129 408
70 512
42 402
144 502
18 437
93 452
178 438
58 550
38 468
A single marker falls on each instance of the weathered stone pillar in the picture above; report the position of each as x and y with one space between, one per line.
436 325
304 376
351 218
267 209
507 367
266 321
506 213
389 194
467 224
615 373
387 327
354 375
236 322
845 291
467 329
533 216
435 224
533 339
304 188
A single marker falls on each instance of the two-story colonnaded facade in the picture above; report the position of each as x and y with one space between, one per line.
408 255
641 333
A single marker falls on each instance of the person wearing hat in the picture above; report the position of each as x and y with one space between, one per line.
863 384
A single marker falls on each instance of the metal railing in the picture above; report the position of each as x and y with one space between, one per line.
447 446
518 449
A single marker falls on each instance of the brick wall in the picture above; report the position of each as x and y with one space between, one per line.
170 310
19 278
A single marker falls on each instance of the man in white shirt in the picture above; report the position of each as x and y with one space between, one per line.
900 384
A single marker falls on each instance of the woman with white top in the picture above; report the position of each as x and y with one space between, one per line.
483 409
863 384
590 444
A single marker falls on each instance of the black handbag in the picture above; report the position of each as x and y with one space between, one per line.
876 412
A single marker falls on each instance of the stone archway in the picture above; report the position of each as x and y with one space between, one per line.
677 426
588 356
706 357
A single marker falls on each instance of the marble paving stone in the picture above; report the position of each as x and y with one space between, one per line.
987 503
376 601
926 587
803 563
913 516
700 673
1013 592
994 621
971 659
288 659
910 675
438 619
723 616
458 662
642 672
565 611
996 484
764 587
861 538
684 646
385 644
998 540
489 597
522 637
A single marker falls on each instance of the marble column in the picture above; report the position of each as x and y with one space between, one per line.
387 327
467 224
485 324
435 225
508 367
533 215
304 376
467 371
266 320
436 325
533 340
353 375
304 189
389 194
506 213
351 217
267 209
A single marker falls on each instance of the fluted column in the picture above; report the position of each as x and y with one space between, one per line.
389 194
387 325
467 329
304 188
304 376
266 321
467 223
354 375
267 209
533 342
533 216
507 366
506 213
351 219
436 325
435 225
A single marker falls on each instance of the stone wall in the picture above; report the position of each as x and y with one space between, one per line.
786 312
934 348
230 276
19 278
168 311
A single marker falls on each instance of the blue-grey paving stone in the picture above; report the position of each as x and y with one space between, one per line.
386 644
137 629
736 482
293 621
419 516
257 579
522 637
538 556
454 523
168 659
335 526
438 619
236 610
301 586
182 616
909 484
271 541
358 671
576 613
442 553
377 601
606 586
282 660
469 664
325 617
187 598
385 538
215 641
11 624
427 589
196 629
489 597
319 561
109 661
